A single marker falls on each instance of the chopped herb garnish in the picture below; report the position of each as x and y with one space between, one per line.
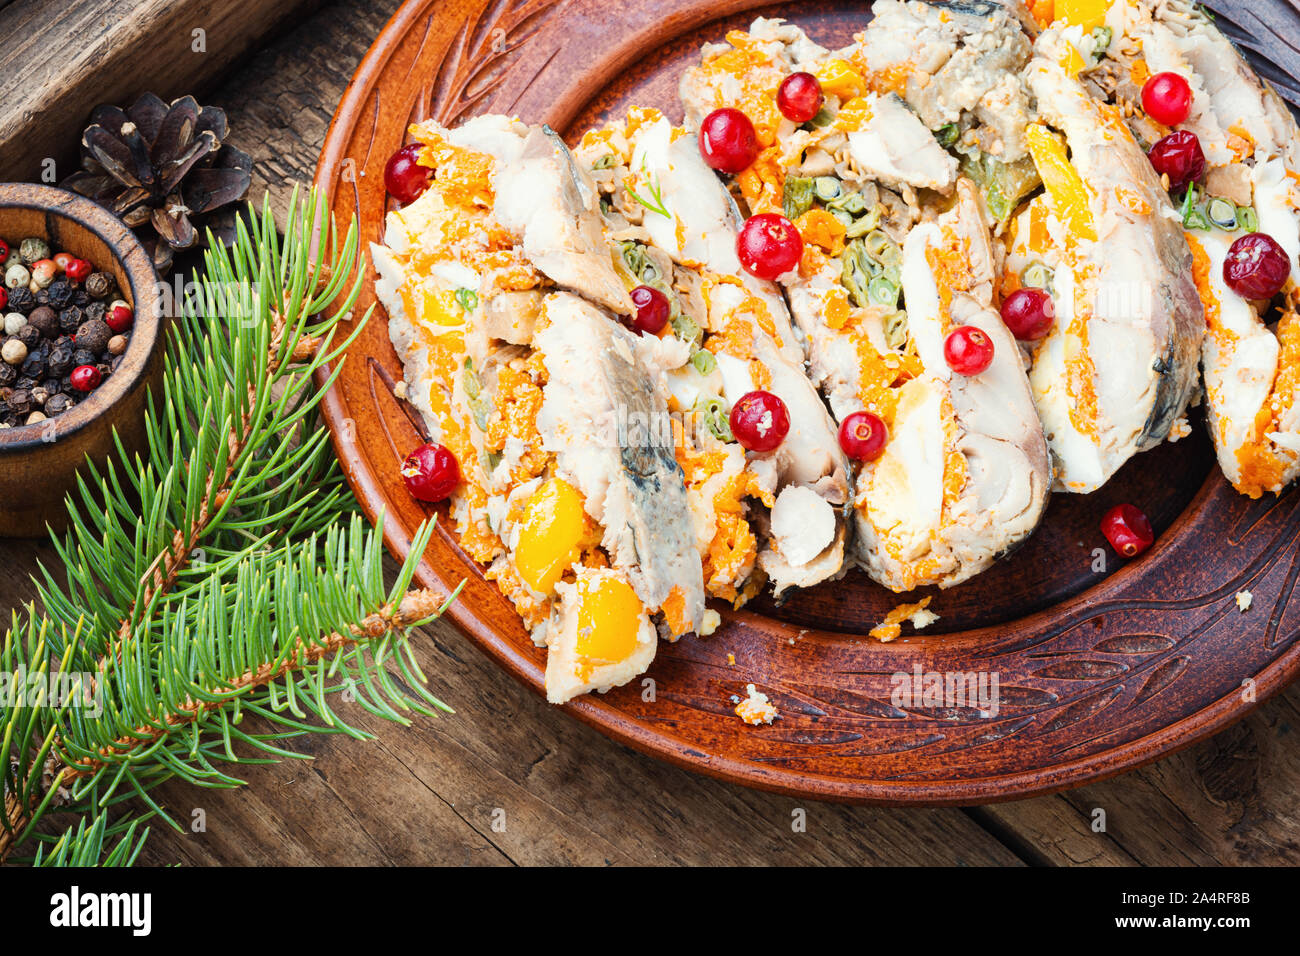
715 413
798 198
704 362
947 135
467 299
605 162
656 202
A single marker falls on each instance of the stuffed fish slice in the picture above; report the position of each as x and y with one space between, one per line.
1116 372
957 65
779 514
497 301
886 275
1251 184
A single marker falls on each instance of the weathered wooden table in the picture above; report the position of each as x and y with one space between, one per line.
510 779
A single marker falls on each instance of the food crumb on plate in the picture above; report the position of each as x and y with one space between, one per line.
712 619
1244 599
891 627
756 708
731 660
1180 429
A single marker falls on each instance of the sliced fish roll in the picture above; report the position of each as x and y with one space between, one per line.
676 225
521 372
1117 370
956 65
1251 183
964 476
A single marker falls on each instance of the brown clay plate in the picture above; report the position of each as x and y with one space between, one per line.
1101 666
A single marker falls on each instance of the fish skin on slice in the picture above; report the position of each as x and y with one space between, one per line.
1118 368
806 531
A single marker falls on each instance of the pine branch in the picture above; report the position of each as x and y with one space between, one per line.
214 576
416 607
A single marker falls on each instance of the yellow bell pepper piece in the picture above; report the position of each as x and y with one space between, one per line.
609 619
1088 14
553 527
1065 187
838 78
1071 60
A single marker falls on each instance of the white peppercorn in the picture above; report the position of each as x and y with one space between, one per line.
34 417
17 276
13 322
13 351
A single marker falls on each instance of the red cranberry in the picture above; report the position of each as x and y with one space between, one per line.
759 421
967 350
769 245
119 318
1256 266
1167 98
799 97
431 473
652 310
863 436
85 378
78 270
1028 313
728 142
404 178
1179 156
1128 530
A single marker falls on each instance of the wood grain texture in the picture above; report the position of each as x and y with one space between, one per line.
60 59
502 734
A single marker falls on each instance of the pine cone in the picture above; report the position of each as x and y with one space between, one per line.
161 169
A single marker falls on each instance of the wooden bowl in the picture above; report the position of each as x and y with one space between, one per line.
1101 665
38 462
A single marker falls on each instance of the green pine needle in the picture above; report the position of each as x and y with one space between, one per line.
222 573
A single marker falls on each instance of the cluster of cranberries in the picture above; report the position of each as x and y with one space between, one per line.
64 331
1256 267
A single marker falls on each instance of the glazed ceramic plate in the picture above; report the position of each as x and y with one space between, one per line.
1101 666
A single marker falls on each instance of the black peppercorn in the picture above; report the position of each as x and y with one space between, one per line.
21 300
93 335
83 357
8 374
40 395
95 310
29 335
70 319
99 285
44 320
57 404
42 297
34 365
25 381
80 299
59 361
59 294
20 401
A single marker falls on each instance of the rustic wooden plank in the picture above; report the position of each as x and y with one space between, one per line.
60 60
